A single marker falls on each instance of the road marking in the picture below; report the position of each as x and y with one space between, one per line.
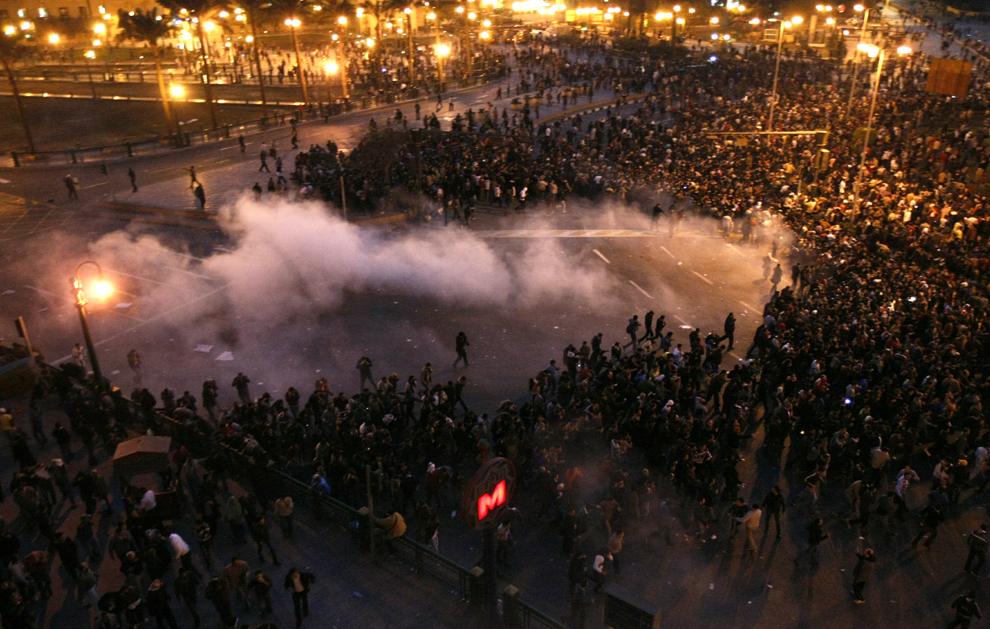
2 180
45 292
160 315
640 289
145 279
735 355
750 307
102 183
702 277
564 233
667 251
733 247
599 254
172 268
681 320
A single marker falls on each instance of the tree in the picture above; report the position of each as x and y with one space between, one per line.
292 13
198 11
12 50
149 28
254 14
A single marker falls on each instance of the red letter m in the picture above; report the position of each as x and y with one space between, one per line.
489 501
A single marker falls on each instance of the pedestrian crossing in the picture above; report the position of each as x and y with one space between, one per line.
566 233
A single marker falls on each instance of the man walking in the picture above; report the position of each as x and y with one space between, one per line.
241 384
72 185
264 162
299 584
648 324
931 517
133 178
977 550
461 343
966 608
632 330
815 537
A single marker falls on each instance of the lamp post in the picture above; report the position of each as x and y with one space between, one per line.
776 72
102 288
862 42
871 51
90 54
440 50
412 51
673 24
341 65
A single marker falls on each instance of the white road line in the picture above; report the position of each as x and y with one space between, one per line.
750 307
160 315
186 255
172 268
227 148
46 292
2 180
599 254
735 355
733 247
681 320
145 279
667 251
702 277
118 312
102 183
640 289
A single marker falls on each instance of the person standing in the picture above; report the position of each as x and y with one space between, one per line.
260 589
218 593
648 324
299 584
187 590
133 177
775 278
134 362
461 343
752 523
729 329
284 507
235 575
815 537
264 162
262 537
200 195
159 606
241 384
192 176
966 608
72 185
774 505
862 573
364 368
977 550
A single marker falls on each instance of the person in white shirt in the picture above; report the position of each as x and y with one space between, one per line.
752 523
598 570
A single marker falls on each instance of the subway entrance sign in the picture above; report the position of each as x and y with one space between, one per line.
487 496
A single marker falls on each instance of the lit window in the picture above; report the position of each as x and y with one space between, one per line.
42 13
20 12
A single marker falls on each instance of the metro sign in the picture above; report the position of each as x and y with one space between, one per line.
488 493
489 501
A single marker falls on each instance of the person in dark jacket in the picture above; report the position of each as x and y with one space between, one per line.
773 506
815 537
159 605
931 517
187 590
299 584
966 608
977 550
862 573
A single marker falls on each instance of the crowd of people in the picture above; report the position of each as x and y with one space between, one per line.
867 367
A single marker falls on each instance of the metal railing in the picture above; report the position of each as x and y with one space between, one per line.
203 136
328 509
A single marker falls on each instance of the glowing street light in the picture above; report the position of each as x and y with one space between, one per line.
370 42
342 20
53 38
100 28
177 91
293 22
443 50
101 289
331 67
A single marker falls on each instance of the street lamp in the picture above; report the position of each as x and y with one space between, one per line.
341 60
776 72
872 52
102 289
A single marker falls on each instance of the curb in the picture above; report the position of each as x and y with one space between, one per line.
591 108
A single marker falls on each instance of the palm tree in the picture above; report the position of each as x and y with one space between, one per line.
201 10
12 50
149 28
254 13
291 13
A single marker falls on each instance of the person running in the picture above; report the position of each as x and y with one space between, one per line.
965 607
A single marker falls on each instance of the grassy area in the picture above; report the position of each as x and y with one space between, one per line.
60 124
